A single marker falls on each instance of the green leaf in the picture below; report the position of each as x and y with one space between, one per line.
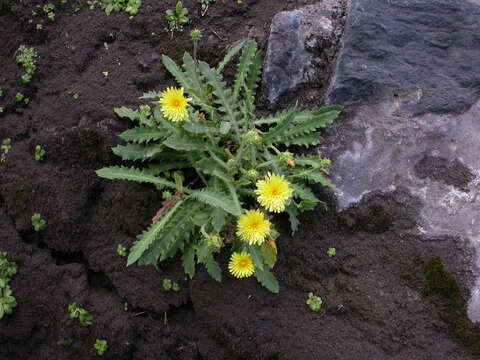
151 95
269 255
302 140
304 192
254 75
229 56
143 134
267 279
201 128
177 72
125 112
148 237
137 151
293 213
188 261
132 174
219 219
184 143
244 64
212 267
256 256
313 121
278 130
216 199
156 169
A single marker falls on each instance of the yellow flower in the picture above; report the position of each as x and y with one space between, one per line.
273 192
252 227
174 105
241 265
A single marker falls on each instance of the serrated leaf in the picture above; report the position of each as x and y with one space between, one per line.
304 192
216 199
132 174
177 72
143 134
281 127
244 64
212 267
293 213
254 73
225 127
317 119
269 255
156 169
188 261
151 95
148 237
184 143
267 279
125 112
199 128
229 56
302 140
219 219
256 256
136 151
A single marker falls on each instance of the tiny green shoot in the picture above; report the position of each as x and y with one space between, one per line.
176 18
7 300
39 153
65 342
83 316
332 252
314 302
38 223
27 57
121 251
5 149
101 346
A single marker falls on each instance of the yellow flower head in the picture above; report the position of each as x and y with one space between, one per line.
252 227
273 192
241 265
174 105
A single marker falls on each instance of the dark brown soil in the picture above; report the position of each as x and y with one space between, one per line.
374 308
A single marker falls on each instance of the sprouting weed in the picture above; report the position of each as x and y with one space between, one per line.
39 153
176 18
101 346
331 252
38 223
5 149
121 251
83 316
314 302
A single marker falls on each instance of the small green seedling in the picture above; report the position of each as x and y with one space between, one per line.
5 149
314 302
91 4
129 6
65 342
105 74
83 316
1 109
76 96
39 153
27 57
176 18
125 306
101 346
2 92
205 4
19 97
121 251
39 27
7 300
332 252
38 223
170 285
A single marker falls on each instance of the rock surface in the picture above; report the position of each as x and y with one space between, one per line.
301 42
408 73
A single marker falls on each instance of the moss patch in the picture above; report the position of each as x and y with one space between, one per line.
437 281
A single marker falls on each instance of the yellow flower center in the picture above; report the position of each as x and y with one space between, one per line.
275 192
175 103
243 263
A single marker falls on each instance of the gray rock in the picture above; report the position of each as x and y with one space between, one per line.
299 40
409 75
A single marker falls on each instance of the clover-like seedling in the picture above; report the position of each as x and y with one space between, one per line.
83 316
121 251
314 302
39 153
177 18
167 284
176 287
38 223
65 342
332 252
205 4
19 97
101 346
129 6
105 74
27 57
5 149
7 300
